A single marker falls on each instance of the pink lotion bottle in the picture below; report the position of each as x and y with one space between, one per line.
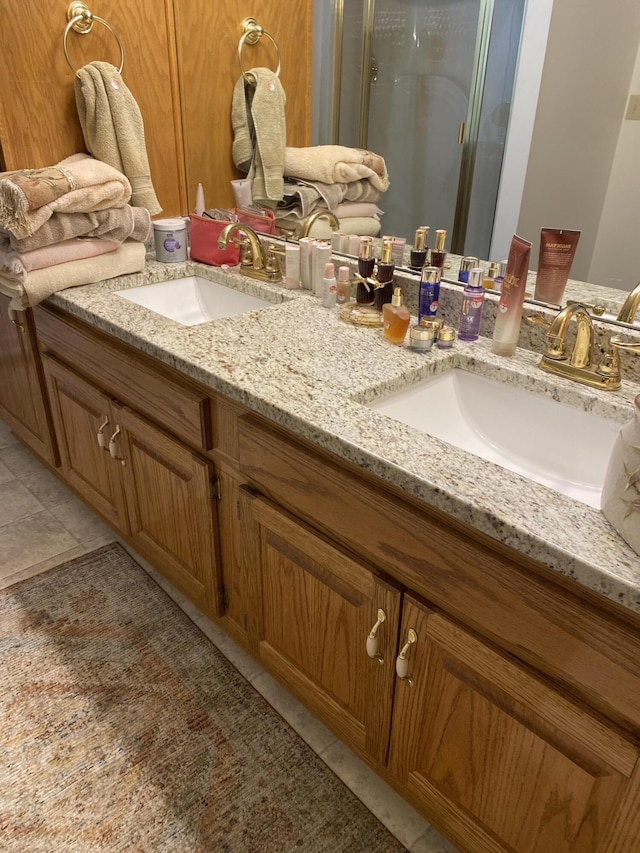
509 315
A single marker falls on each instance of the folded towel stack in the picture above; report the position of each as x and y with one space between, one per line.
346 181
67 225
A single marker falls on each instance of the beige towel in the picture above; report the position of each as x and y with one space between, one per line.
259 127
336 164
364 225
15 267
128 258
118 224
113 128
95 186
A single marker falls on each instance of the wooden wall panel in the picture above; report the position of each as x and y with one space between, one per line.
207 36
38 119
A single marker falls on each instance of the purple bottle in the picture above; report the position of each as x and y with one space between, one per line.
471 311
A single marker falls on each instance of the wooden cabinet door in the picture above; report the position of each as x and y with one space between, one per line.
172 512
22 389
80 412
316 608
506 762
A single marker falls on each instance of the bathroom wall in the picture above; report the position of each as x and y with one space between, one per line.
590 56
615 261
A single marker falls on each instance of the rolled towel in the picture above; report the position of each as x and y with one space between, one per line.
336 164
94 185
116 224
356 208
113 129
126 259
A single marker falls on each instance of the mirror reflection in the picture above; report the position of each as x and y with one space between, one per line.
552 134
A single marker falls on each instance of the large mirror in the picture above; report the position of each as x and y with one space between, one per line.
570 142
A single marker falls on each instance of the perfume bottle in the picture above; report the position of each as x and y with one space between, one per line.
343 292
418 257
396 318
366 263
438 254
383 292
429 292
471 311
466 264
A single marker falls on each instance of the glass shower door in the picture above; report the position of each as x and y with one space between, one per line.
422 56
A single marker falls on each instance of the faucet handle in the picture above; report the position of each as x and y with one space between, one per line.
597 310
610 364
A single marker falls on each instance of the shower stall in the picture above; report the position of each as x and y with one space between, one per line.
427 84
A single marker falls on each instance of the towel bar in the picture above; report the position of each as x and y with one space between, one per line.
81 19
251 34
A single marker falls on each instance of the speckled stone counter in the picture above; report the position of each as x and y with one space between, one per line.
299 365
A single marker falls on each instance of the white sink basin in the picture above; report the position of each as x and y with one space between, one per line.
544 440
193 300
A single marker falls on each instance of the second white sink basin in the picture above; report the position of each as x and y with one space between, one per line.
544 440
193 300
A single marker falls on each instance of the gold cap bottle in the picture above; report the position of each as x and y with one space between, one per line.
441 237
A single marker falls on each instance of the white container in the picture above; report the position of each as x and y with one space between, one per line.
170 237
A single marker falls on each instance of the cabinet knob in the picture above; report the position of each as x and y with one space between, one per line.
402 664
372 639
101 437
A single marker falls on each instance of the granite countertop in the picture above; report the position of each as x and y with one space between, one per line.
299 365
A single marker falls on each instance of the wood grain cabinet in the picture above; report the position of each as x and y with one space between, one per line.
23 403
155 490
512 762
315 608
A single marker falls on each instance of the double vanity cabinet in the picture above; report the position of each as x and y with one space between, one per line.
513 720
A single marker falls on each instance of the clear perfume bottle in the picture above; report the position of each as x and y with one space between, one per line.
472 302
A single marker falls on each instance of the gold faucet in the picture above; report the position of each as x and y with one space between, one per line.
254 261
305 226
628 310
578 365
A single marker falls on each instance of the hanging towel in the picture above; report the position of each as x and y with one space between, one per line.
259 133
113 128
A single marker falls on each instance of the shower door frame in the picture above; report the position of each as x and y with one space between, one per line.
469 129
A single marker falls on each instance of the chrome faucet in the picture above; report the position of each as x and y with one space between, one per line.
255 262
305 225
628 310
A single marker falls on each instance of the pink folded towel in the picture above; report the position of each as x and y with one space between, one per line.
126 259
16 267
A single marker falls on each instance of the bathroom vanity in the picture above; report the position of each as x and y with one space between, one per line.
241 459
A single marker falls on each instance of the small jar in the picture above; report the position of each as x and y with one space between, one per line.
170 236
421 337
446 337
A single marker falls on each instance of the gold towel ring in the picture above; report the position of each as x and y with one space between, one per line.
251 34
81 19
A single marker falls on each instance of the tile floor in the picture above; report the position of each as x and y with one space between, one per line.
43 524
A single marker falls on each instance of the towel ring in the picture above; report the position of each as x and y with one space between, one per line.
81 19
251 34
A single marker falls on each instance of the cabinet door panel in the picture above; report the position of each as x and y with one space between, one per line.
79 410
171 511
513 763
22 401
318 606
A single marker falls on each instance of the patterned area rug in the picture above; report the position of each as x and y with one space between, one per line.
122 728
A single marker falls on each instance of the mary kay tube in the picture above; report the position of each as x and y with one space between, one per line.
557 251
509 314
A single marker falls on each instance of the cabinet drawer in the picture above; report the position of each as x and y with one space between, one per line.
592 652
147 386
